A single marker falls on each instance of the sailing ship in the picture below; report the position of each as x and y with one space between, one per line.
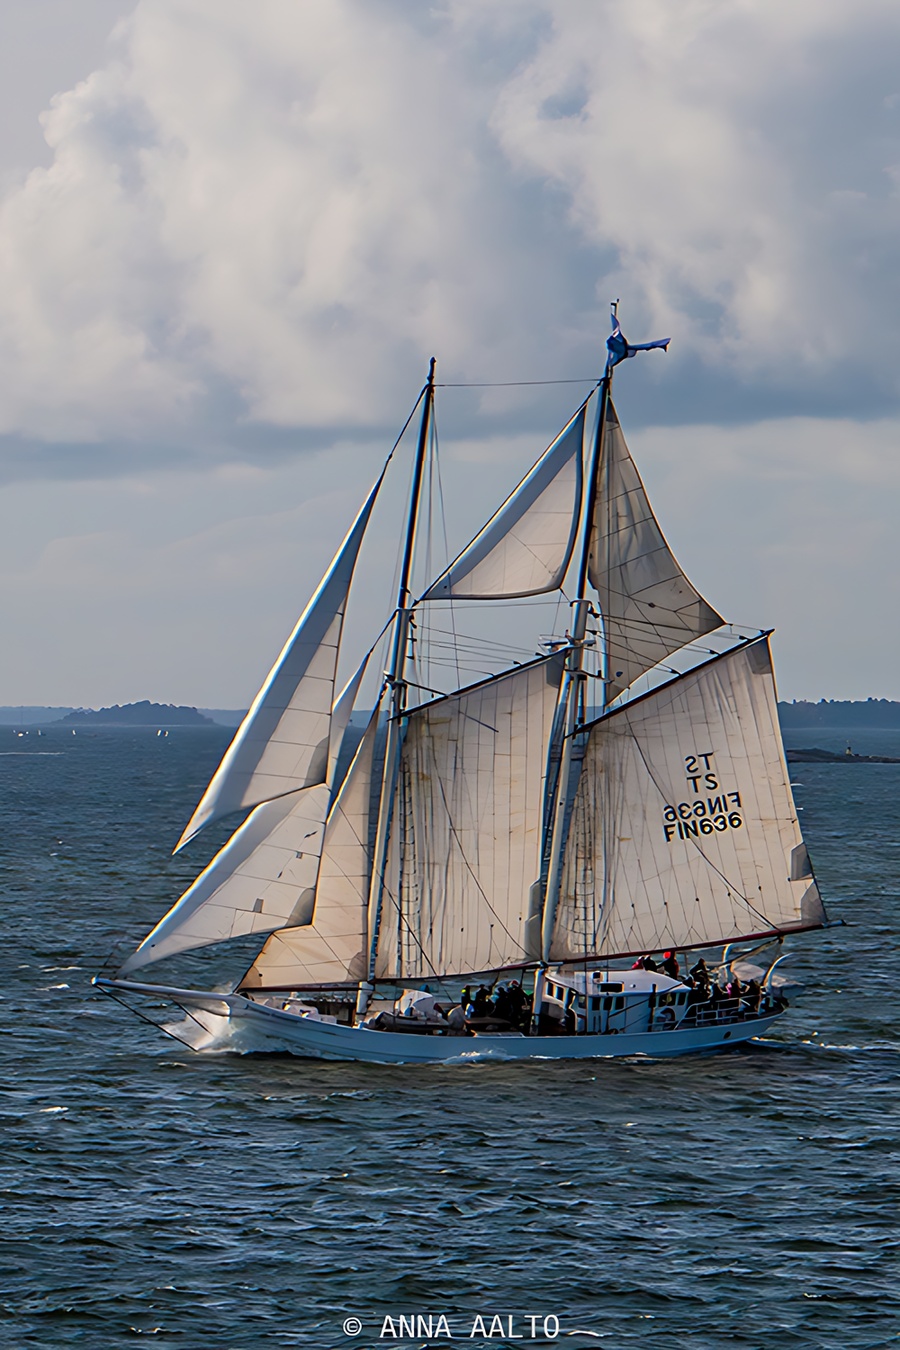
535 836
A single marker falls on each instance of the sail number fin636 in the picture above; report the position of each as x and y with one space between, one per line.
706 816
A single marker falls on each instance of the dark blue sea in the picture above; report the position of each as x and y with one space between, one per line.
151 1195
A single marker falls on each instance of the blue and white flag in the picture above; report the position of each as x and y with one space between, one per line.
620 348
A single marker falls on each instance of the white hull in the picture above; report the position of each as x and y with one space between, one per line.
232 1022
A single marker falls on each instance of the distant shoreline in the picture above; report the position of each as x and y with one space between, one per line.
816 756
143 714
150 715
875 713
802 714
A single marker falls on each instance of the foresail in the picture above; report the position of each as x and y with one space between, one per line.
332 948
525 547
649 607
462 886
683 830
262 879
283 743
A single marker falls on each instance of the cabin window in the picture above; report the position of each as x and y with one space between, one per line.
595 1005
607 1004
618 1003
679 998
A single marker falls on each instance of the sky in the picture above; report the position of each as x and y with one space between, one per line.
232 235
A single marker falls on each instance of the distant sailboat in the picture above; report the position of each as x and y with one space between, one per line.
492 873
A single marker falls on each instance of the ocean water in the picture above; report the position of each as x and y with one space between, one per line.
220 1202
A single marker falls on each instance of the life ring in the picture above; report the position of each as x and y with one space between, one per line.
664 1020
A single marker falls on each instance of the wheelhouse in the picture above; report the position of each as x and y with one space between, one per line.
610 1001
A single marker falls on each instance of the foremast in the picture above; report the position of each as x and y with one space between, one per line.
396 683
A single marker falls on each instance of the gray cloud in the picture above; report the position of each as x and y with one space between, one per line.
252 225
266 218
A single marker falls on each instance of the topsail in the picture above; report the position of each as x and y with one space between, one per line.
525 547
649 607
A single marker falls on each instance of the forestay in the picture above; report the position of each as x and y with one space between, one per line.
465 849
283 742
525 547
332 949
649 607
683 830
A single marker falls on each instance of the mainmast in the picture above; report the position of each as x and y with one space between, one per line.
395 679
572 699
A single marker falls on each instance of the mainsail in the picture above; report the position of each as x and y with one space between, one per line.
284 741
683 830
649 607
331 949
525 547
462 885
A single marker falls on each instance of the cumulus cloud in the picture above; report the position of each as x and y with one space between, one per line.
268 216
741 160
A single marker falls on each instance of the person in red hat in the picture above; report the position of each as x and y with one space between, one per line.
670 964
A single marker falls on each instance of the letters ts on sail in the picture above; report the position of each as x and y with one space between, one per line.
284 741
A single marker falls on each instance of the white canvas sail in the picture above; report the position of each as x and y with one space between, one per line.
684 830
340 718
466 838
525 547
263 879
649 607
332 949
283 743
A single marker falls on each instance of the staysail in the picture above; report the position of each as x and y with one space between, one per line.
525 547
332 948
283 743
262 879
649 607
683 830
462 881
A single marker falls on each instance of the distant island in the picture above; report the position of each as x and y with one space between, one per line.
873 712
797 715
143 714
814 756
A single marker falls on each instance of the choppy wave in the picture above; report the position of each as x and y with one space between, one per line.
222 1201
